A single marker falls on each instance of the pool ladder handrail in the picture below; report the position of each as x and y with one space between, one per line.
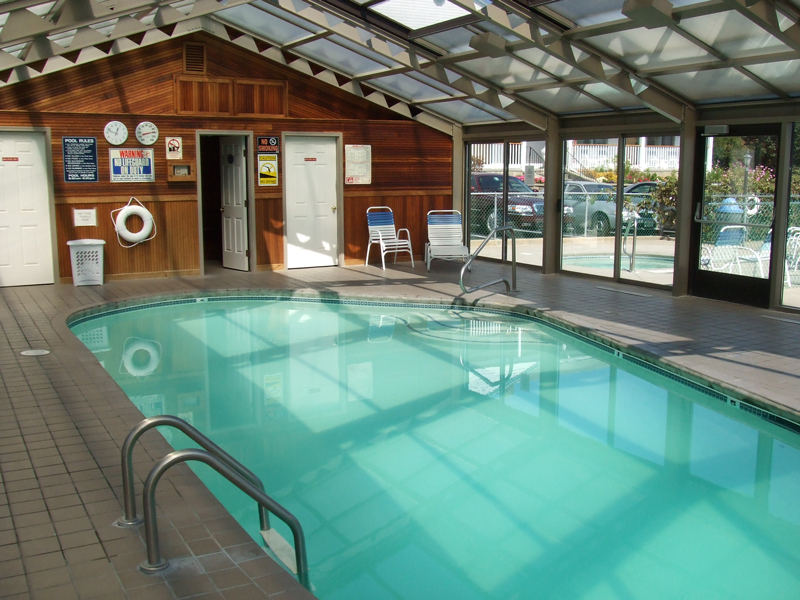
632 254
218 459
509 288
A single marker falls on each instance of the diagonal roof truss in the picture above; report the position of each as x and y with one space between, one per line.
455 62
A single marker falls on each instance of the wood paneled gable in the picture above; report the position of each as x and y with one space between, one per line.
143 81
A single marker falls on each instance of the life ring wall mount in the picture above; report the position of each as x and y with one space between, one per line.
120 217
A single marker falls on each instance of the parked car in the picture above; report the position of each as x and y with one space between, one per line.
594 206
525 205
634 194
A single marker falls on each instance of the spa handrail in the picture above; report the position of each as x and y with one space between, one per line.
156 563
468 263
128 490
632 254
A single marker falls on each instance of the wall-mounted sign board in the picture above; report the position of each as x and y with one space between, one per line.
131 165
268 144
267 170
80 159
358 164
84 217
174 148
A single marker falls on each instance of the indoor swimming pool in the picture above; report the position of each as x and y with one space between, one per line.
434 452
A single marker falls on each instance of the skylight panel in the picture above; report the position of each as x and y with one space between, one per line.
650 48
416 14
453 41
584 13
733 35
407 88
287 16
719 85
262 24
505 71
561 100
463 112
784 75
325 52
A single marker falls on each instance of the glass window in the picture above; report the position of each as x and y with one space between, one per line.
648 209
408 88
590 207
791 276
737 205
505 71
651 48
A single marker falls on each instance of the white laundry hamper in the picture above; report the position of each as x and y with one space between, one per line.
87 261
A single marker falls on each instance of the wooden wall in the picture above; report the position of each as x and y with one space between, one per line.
412 169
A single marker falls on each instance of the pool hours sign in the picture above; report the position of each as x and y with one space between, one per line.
131 164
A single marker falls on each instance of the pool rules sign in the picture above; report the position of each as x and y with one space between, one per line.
131 165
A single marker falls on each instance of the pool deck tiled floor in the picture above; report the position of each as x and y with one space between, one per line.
64 418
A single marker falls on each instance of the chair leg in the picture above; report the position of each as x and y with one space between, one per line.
366 260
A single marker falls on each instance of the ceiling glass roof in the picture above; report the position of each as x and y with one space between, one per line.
456 61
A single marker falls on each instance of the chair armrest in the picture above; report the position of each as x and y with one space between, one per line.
408 233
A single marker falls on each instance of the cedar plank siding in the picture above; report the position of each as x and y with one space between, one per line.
411 163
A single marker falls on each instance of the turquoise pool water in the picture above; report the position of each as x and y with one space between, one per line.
435 453
643 263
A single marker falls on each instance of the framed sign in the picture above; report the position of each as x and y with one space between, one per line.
80 159
358 164
131 165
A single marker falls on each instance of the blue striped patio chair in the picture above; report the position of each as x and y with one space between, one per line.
380 222
445 237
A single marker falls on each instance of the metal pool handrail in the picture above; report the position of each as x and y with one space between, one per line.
632 254
468 264
130 519
155 562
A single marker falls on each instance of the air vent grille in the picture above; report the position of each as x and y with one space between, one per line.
194 58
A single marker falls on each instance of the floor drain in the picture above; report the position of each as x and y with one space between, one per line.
34 352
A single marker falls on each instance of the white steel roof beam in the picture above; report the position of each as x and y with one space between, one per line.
667 105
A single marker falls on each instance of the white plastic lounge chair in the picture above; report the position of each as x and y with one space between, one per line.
380 222
445 237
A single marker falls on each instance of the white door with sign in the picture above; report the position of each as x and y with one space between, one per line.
311 202
26 241
235 253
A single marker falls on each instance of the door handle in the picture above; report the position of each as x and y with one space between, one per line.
333 209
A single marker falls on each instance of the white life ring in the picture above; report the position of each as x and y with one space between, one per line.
153 351
122 217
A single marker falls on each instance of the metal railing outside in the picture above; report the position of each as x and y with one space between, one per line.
218 459
509 288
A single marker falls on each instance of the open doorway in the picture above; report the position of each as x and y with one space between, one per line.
224 201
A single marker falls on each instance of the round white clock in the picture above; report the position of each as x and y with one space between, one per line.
116 133
146 133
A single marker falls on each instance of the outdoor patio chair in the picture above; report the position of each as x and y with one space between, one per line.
380 222
445 237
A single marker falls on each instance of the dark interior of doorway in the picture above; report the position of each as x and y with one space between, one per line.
211 190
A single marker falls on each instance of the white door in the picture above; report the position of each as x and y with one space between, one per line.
234 203
311 202
26 242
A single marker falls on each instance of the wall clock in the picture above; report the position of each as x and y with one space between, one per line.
146 133
116 133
